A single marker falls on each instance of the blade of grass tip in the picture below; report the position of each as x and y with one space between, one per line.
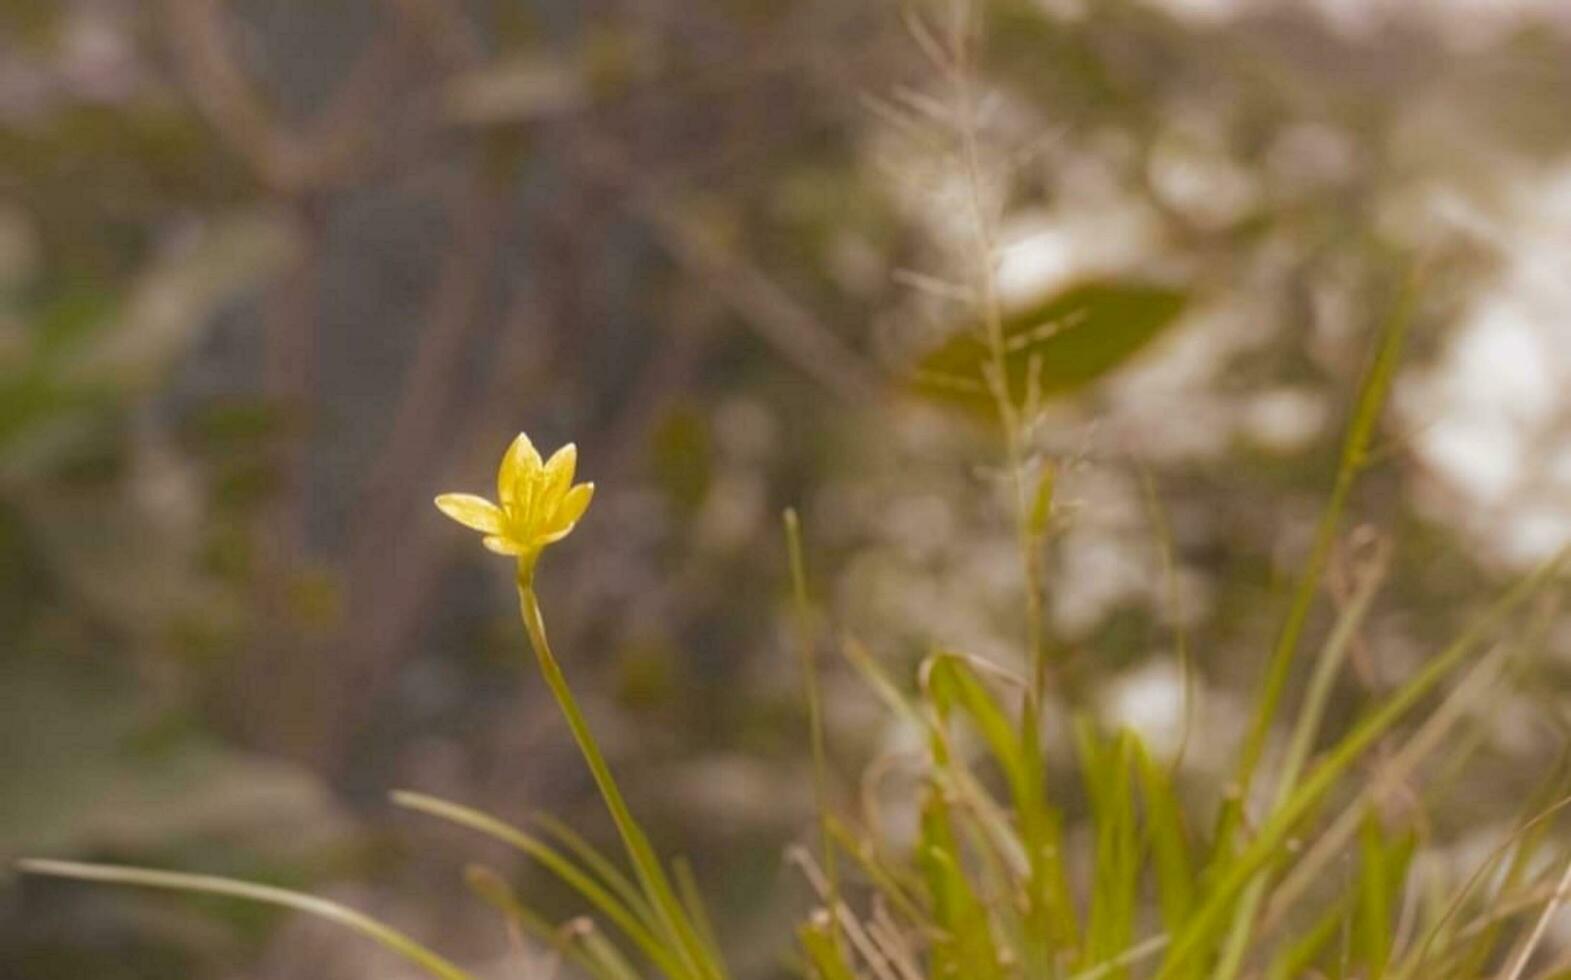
815 719
1268 842
552 860
1369 577
888 692
678 931
385 936
1372 395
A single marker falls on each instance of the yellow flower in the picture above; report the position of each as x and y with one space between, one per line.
537 503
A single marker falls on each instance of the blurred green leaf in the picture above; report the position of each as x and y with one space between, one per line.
1053 347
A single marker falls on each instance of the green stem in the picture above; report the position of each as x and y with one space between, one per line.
646 864
1298 752
815 721
1355 453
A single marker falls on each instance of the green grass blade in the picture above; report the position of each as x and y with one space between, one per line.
964 948
1108 773
1372 395
1382 875
552 860
1050 914
385 936
808 652
1167 838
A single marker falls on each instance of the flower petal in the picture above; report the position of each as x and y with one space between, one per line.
471 511
572 508
520 466
502 546
559 471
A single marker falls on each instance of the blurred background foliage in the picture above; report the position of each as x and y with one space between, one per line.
274 272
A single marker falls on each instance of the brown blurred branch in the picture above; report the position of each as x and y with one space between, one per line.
298 165
225 95
793 331
287 160
388 573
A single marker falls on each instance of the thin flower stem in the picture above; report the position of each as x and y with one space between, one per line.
645 862
815 717
1008 413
